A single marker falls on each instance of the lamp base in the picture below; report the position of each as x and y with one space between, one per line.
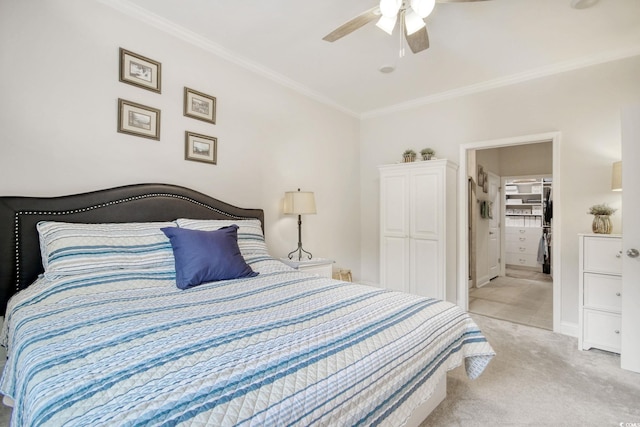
299 250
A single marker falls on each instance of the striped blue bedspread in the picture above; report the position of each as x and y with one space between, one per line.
127 348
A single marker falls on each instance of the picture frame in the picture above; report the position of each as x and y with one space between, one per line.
198 105
200 148
480 176
140 71
485 182
138 120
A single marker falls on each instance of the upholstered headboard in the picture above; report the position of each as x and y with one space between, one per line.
20 262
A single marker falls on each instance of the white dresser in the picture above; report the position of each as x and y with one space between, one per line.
522 245
600 291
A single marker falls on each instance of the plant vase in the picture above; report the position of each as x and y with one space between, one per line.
601 224
426 156
408 158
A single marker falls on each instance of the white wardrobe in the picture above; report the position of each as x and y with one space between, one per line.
418 223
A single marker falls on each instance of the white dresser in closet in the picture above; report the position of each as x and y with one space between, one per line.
600 291
522 245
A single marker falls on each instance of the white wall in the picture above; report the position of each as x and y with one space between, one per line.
58 107
584 105
518 160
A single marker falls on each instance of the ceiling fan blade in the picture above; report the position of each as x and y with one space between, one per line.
352 25
418 41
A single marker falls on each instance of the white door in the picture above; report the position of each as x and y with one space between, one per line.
630 352
494 226
394 231
426 254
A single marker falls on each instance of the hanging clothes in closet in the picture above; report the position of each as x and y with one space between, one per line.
544 252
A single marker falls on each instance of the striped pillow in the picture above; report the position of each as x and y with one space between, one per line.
250 236
74 248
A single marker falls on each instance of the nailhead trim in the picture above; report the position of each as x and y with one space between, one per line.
101 205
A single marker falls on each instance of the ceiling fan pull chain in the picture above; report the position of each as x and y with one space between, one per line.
401 34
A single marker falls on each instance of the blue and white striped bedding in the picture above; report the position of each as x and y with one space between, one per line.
126 347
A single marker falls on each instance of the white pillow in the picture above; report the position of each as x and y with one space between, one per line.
250 237
75 248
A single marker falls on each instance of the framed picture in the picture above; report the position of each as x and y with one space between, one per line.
485 182
200 148
480 176
139 120
140 71
199 106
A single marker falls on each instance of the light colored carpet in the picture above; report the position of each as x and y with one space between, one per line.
539 378
522 296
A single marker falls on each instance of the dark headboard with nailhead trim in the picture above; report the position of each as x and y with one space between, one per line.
20 262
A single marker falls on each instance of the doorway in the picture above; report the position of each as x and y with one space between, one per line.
513 281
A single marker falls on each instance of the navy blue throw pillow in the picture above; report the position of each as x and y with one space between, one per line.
206 256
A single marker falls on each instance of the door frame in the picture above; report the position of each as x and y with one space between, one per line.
463 212
499 210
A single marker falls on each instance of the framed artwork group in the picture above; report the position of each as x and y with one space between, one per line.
144 121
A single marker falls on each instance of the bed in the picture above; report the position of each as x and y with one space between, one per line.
139 334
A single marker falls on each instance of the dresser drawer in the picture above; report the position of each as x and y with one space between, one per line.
525 260
601 330
529 232
525 247
602 255
602 292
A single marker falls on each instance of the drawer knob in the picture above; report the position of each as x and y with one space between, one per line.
617 294
522 231
617 331
619 254
522 249
522 239
633 253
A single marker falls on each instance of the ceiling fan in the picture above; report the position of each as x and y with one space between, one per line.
410 14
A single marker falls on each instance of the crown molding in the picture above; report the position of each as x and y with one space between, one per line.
537 73
151 19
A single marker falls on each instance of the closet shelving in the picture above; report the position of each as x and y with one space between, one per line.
526 220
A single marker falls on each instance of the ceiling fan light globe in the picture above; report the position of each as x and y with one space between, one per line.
387 24
390 8
423 7
412 21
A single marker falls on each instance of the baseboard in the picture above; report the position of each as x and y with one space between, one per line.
484 280
568 328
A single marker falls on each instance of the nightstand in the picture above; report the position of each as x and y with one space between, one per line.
317 266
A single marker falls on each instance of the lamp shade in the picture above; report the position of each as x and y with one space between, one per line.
387 24
616 176
299 202
412 21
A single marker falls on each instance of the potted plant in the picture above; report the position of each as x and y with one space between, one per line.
427 153
409 156
601 218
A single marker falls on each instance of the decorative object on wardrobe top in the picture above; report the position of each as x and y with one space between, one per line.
602 218
427 153
409 156
616 176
